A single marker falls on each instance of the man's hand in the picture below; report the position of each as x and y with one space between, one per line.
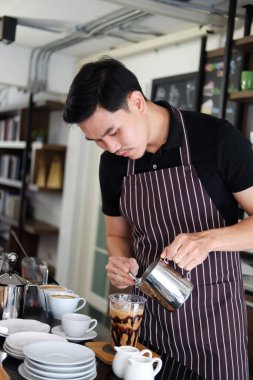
118 268
188 250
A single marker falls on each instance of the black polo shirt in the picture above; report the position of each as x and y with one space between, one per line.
222 157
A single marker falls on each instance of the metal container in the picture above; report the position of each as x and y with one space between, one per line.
12 292
165 285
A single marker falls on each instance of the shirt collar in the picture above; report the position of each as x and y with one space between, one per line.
175 137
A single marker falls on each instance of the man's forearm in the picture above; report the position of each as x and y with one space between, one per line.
238 237
118 246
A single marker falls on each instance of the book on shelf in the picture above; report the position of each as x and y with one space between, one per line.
2 129
10 202
4 165
10 129
10 166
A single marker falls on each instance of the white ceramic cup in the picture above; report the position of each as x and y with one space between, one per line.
44 290
76 325
123 353
64 302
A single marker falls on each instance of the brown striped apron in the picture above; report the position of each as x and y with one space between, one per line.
208 333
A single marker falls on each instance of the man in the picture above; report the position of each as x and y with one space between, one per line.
171 183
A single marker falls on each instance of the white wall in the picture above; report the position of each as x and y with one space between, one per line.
14 68
180 59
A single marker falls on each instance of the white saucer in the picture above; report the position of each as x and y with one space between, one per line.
57 330
58 353
13 325
18 341
28 376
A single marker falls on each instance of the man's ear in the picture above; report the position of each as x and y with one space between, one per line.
136 101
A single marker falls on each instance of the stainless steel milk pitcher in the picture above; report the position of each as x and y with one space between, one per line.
12 291
165 285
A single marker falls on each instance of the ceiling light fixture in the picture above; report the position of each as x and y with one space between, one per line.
8 29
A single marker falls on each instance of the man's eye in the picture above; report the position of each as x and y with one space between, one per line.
114 133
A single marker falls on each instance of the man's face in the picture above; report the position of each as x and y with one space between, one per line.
123 133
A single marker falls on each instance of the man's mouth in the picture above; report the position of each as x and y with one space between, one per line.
124 153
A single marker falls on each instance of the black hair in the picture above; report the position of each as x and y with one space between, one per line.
105 83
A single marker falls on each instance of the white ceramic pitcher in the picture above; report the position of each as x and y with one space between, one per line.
120 360
142 368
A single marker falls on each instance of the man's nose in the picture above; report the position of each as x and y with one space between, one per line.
112 146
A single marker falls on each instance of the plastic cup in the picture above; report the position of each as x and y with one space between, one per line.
126 312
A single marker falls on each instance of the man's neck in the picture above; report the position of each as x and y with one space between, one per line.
158 123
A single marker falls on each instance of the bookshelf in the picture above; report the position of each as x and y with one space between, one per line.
18 169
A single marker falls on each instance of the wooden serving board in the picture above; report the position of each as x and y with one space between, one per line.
104 352
4 375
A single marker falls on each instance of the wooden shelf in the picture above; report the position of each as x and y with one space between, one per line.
33 227
33 187
48 147
46 105
240 44
244 43
50 105
215 53
242 96
37 227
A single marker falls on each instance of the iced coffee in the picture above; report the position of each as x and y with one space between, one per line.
126 312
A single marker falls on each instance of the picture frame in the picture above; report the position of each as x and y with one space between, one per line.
179 90
211 91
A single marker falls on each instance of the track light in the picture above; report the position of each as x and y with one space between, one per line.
7 29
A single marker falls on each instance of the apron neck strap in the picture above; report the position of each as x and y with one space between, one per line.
184 149
130 167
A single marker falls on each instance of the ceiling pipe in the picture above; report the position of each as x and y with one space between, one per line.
39 60
152 44
180 13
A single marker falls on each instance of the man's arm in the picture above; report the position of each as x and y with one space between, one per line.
118 240
190 250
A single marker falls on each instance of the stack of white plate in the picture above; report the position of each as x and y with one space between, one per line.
15 343
58 360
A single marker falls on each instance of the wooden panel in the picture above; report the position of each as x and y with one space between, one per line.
3 374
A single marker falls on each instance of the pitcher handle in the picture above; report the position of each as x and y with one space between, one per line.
159 365
45 274
146 351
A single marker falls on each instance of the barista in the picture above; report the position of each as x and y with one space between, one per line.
171 182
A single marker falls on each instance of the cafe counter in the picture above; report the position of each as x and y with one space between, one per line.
171 369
